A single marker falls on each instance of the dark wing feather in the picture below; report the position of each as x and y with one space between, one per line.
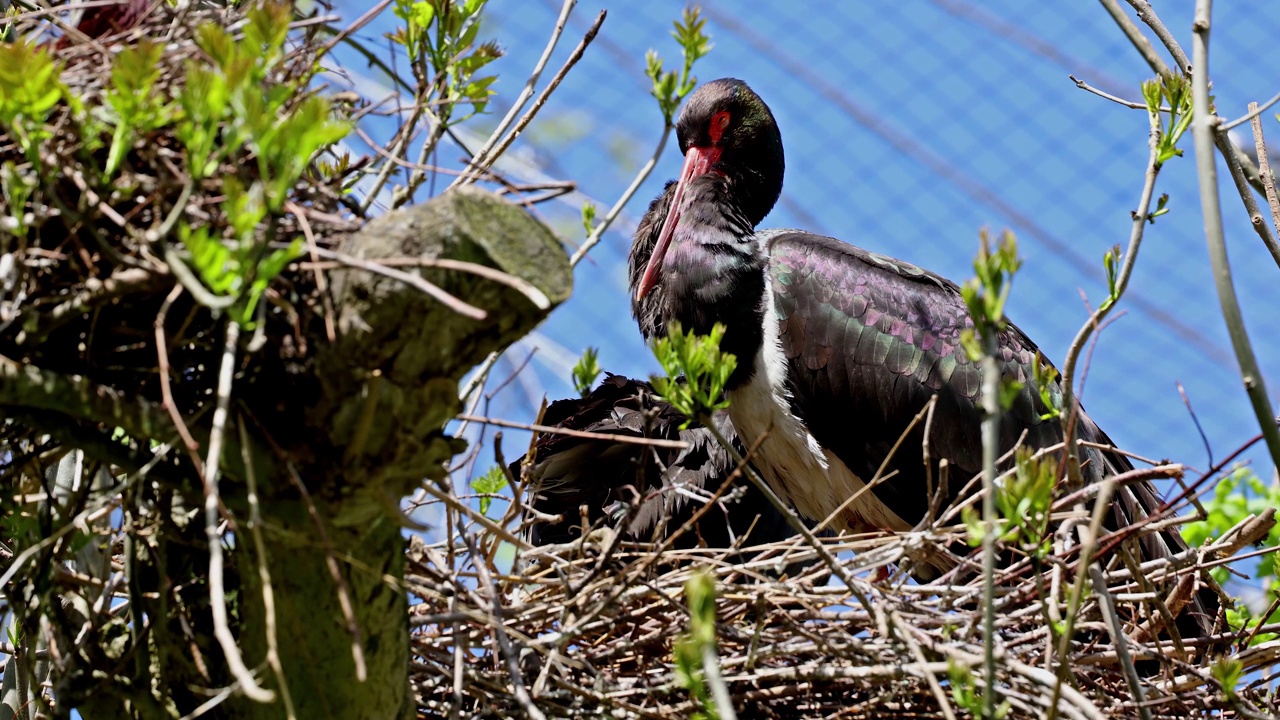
870 339
567 472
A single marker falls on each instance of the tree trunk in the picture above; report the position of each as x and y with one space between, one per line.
369 434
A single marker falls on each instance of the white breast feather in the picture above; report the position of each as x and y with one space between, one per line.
811 478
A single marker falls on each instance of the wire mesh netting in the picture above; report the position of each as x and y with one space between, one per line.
908 127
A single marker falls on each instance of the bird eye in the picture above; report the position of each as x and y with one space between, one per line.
719 122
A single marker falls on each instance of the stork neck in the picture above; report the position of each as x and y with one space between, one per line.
753 186
714 273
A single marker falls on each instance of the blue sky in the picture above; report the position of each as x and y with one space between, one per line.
908 127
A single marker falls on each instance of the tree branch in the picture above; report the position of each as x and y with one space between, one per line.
1202 129
27 386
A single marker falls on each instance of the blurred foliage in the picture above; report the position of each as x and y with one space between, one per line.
700 593
29 90
225 110
1238 495
586 370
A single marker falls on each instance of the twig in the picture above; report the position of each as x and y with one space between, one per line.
515 507
439 126
81 520
1263 618
175 213
416 281
458 506
1112 620
23 671
400 143
481 156
1204 439
524 287
715 680
499 629
645 170
931 678
358 23
322 285
1235 159
264 573
1101 506
991 419
407 164
1264 163
188 279
217 593
166 394
1070 403
1108 96
569 62
1254 112
1243 171
478 378
455 709
1202 129
1131 31
1148 16
610 437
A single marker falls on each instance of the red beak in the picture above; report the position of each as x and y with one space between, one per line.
697 161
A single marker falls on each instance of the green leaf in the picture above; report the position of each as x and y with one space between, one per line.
1024 500
1237 495
135 70
210 258
969 342
1009 391
29 89
588 218
267 270
491 483
1161 208
700 594
267 28
585 371
1044 378
216 43
986 294
1174 92
668 88
1227 671
134 73
17 187
705 367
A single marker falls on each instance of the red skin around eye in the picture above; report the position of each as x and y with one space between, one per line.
719 122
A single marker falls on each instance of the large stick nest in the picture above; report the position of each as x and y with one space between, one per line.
590 627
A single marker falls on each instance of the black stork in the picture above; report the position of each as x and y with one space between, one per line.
838 348
651 492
